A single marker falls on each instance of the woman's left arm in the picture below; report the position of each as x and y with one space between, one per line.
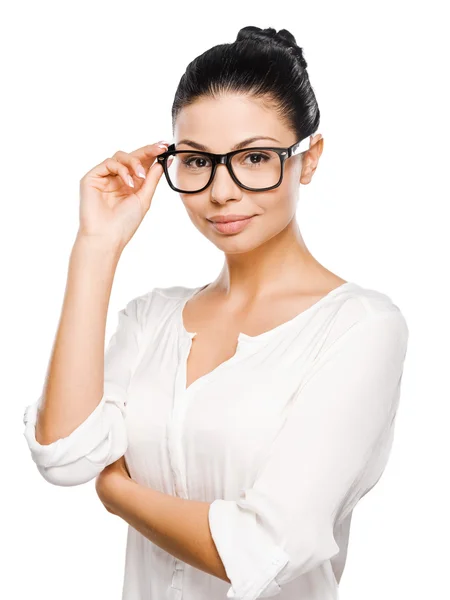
176 525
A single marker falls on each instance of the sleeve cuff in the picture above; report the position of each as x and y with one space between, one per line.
252 568
98 441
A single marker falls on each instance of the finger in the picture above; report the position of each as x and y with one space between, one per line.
112 166
132 162
149 153
147 190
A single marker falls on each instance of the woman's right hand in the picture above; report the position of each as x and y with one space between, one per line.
110 208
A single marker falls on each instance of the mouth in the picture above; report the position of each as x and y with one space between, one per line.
234 225
230 218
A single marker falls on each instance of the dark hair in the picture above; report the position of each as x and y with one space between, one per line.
262 62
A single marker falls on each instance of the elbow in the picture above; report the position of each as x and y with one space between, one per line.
310 547
262 554
78 458
298 556
76 473
81 470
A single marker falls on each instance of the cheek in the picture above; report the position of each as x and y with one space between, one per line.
195 205
278 216
280 205
291 181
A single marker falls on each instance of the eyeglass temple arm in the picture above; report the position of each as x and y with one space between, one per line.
302 146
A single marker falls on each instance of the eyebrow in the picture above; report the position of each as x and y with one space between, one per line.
237 146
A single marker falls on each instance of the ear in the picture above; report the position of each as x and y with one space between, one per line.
311 158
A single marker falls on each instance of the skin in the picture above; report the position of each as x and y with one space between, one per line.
252 268
268 276
178 526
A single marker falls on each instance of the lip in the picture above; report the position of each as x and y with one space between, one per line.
233 226
229 218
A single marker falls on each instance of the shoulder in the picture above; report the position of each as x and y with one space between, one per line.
361 301
156 303
173 293
361 308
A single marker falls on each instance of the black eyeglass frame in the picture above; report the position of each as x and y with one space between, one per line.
225 159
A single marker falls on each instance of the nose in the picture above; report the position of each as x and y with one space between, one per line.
223 187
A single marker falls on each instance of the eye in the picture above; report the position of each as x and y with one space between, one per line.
256 158
196 161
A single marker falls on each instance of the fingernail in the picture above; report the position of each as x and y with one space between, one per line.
130 181
141 172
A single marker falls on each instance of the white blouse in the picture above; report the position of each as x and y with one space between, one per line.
284 438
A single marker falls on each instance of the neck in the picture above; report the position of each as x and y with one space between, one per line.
283 262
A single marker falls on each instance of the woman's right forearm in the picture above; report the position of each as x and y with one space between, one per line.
74 381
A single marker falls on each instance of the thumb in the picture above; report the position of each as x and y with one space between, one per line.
147 190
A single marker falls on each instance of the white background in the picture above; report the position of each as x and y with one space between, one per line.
82 80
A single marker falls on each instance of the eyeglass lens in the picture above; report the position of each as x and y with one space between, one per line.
191 171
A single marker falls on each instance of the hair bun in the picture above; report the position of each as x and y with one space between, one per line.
282 38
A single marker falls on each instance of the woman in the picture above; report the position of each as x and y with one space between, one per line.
240 421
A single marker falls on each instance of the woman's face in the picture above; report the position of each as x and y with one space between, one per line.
218 125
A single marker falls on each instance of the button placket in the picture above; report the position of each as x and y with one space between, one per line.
177 575
182 405
176 419
174 441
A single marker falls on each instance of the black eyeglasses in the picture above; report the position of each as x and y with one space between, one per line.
192 171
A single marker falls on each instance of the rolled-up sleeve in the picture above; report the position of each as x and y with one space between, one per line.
101 438
282 526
